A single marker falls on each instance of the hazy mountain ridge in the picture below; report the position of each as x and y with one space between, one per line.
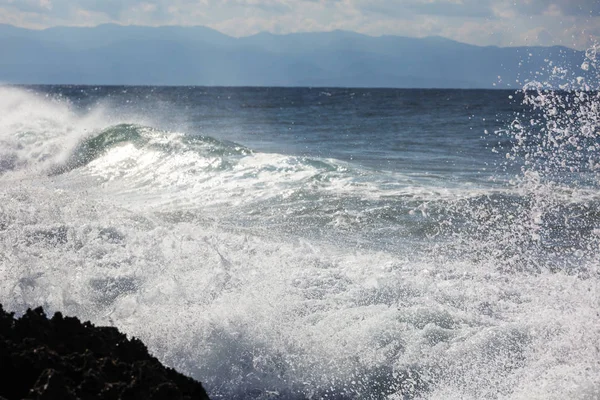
171 55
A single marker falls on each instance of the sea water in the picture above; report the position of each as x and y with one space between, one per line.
311 243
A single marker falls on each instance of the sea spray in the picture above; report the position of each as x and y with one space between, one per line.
38 131
545 218
545 225
284 275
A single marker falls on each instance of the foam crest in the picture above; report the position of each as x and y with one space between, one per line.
37 132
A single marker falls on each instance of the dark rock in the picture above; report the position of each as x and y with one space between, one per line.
51 384
62 358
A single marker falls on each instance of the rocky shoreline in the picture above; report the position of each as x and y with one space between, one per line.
63 358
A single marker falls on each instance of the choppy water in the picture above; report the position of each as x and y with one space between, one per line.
310 243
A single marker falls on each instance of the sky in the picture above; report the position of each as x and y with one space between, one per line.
572 23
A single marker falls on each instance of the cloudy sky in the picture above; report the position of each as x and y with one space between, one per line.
574 23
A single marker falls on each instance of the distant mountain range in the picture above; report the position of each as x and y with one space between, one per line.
172 55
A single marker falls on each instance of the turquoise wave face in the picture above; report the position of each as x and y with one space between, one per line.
97 145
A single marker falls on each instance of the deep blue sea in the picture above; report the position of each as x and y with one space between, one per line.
314 243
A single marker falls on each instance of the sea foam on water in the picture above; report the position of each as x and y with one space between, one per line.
271 275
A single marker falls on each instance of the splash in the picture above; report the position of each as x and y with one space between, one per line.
37 132
263 274
544 229
546 220
559 139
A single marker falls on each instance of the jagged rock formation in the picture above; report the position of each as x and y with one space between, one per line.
62 358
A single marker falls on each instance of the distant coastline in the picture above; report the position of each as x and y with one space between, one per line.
200 56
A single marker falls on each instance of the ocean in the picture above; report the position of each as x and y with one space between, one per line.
314 243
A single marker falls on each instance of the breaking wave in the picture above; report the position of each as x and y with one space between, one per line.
268 275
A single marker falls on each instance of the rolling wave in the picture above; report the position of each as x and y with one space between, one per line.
143 137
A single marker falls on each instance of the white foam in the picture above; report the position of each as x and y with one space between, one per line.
245 311
143 238
37 132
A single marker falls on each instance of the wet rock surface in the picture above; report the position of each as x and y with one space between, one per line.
63 358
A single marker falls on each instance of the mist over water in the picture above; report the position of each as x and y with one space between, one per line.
309 243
